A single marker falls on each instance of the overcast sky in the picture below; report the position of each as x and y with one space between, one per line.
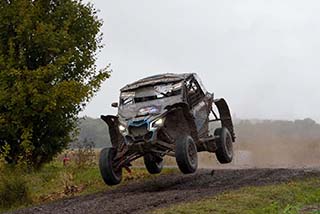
263 56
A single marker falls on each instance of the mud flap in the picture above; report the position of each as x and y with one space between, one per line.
225 116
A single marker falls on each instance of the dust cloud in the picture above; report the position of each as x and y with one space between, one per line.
272 155
270 144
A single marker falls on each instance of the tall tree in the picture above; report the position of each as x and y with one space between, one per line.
47 74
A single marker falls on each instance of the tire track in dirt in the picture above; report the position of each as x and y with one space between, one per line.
164 190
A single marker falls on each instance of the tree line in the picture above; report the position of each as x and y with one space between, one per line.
247 131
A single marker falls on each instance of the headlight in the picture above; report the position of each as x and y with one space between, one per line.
122 128
157 123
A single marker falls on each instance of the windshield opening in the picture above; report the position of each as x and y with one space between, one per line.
150 93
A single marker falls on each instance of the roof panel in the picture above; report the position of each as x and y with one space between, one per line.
156 79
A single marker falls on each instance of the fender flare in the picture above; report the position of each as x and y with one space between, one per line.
113 123
184 107
225 116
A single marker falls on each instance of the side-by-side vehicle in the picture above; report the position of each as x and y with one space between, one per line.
161 115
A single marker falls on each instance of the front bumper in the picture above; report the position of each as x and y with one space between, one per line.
139 132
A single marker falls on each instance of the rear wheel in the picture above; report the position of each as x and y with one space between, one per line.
154 164
224 151
111 175
186 154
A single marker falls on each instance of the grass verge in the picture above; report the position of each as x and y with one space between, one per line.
54 181
301 196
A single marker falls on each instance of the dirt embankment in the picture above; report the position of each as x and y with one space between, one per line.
164 190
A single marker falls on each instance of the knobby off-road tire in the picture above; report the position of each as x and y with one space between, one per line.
186 154
110 175
224 151
153 163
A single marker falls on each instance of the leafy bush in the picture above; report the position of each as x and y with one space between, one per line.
14 190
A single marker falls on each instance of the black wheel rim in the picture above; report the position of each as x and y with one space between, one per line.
192 153
159 164
116 170
229 148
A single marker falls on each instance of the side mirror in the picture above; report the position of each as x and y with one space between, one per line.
115 105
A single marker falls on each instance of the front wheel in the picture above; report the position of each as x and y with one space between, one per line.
224 152
154 164
110 175
186 154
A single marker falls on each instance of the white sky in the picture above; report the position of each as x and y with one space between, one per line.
263 56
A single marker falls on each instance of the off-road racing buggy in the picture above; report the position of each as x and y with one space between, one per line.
162 115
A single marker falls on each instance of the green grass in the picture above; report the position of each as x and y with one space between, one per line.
50 182
289 198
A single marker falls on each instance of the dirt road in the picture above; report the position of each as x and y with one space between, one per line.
168 189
